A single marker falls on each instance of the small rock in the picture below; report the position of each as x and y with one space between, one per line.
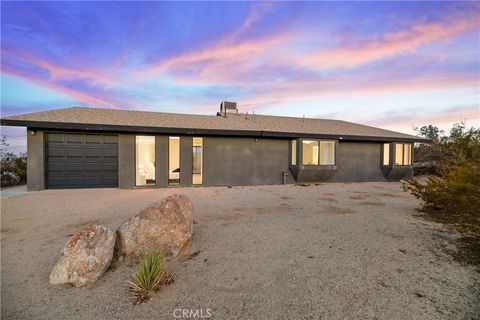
85 258
166 226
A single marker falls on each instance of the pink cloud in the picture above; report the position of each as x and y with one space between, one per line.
337 86
77 94
58 72
415 117
390 45
213 61
238 63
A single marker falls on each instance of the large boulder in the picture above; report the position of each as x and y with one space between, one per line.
165 225
85 258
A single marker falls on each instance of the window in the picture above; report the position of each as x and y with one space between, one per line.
310 152
145 160
294 152
197 161
317 152
403 154
327 153
173 161
386 154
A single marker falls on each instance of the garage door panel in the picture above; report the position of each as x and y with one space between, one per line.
52 166
55 152
110 153
94 180
74 138
81 160
111 181
55 137
93 153
74 153
93 138
94 166
111 139
75 166
55 160
110 167
56 181
72 181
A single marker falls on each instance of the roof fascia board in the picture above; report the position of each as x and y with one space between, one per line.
188 131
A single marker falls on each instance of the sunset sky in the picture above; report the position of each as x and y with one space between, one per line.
387 64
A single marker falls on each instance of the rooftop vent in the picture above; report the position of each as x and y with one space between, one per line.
227 107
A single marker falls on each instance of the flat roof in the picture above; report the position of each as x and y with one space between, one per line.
114 120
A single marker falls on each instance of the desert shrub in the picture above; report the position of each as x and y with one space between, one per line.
13 166
149 274
453 196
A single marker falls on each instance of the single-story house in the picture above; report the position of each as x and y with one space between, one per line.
87 147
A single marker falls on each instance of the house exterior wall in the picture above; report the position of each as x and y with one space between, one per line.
245 161
358 161
186 143
161 159
35 160
236 161
126 160
227 161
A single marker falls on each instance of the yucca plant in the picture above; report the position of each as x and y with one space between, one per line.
148 276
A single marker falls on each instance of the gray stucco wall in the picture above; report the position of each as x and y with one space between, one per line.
354 161
244 161
358 161
35 160
161 161
186 143
126 160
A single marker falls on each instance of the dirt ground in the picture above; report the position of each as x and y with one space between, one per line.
329 251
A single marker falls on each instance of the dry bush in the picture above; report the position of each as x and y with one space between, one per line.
453 196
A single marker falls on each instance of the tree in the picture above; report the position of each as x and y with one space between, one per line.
427 155
454 194
429 132
13 166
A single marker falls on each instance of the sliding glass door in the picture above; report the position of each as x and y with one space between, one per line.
145 160
197 161
173 161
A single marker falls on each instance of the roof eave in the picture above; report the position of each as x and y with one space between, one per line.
190 131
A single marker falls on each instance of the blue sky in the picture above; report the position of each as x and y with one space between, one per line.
388 64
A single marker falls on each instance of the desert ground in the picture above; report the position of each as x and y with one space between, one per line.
329 251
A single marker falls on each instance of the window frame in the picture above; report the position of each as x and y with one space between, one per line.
294 153
303 153
179 162
410 154
386 147
335 146
202 164
135 159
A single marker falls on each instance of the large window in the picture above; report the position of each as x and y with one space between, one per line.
197 161
294 152
317 152
145 160
386 154
173 161
327 153
310 152
403 154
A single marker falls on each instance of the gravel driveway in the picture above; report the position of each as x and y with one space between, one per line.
330 251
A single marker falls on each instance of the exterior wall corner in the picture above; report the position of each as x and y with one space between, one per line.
35 160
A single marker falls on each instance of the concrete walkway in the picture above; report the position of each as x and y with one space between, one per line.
13 191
